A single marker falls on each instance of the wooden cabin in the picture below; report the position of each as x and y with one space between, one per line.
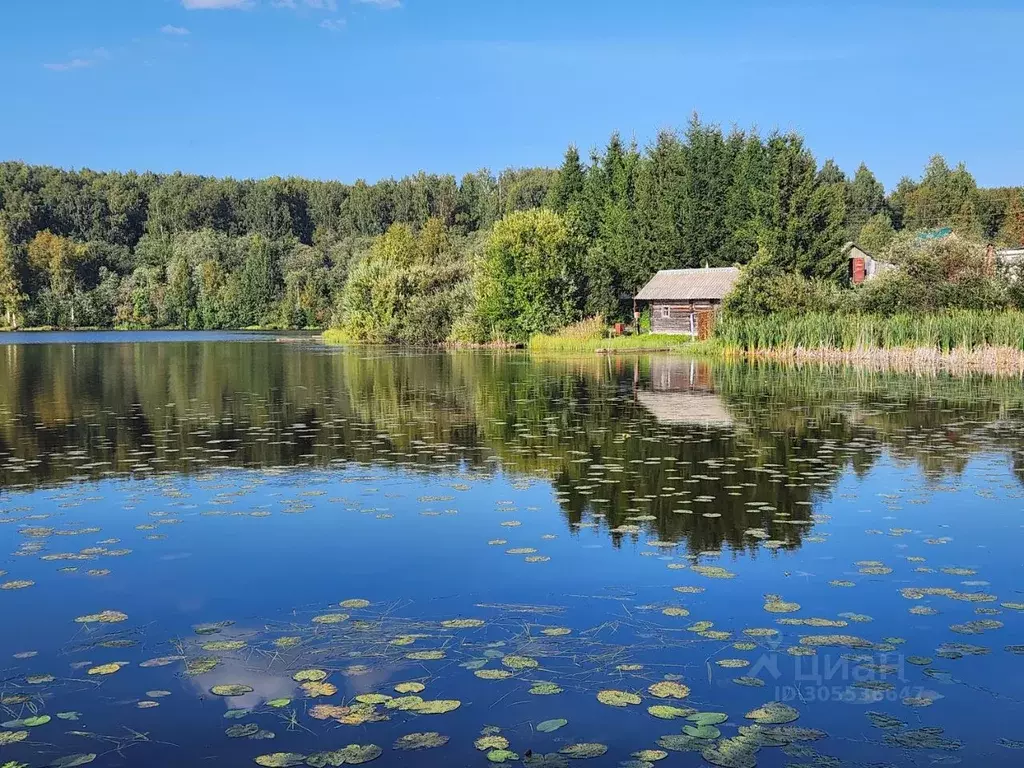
684 301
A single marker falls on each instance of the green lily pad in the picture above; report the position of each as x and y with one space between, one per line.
73 761
708 718
617 698
232 689
492 741
584 750
702 731
280 760
242 731
544 689
501 756
518 663
773 713
424 740
669 689
309 676
667 712
547 726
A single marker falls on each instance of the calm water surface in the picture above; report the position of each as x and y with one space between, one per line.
222 549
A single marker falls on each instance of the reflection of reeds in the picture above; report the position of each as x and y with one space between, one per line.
996 360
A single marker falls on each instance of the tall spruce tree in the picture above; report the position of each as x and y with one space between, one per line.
567 188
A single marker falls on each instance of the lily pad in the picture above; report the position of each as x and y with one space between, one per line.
231 689
584 750
773 713
462 623
423 740
438 707
412 687
103 617
708 718
425 655
493 674
702 731
309 676
545 689
354 603
667 712
242 731
492 741
617 698
650 755
73 761
501 756
519 662
732 753
105 669
549 726
280 760
669 689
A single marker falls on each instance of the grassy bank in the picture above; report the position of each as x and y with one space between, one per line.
648 342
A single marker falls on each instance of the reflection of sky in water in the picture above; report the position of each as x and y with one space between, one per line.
609 470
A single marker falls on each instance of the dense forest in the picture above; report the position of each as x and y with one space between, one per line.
430 258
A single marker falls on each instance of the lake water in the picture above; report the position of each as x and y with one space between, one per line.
210 546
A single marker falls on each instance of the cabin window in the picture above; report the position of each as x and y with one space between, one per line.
666 311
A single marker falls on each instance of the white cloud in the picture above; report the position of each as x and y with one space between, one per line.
318 5
384 5
213 5
79 60
66 66
170 29
334 25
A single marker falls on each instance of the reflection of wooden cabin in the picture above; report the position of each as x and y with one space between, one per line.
673 374
682 392
703 409
685 301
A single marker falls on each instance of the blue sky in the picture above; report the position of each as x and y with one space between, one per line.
349 89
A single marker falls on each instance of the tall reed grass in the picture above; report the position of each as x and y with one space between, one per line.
955 330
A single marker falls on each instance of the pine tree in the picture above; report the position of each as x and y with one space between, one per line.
567 188
876 233
742 201
707 178
826 215
660 200
866 197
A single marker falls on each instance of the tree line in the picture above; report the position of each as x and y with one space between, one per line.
430 258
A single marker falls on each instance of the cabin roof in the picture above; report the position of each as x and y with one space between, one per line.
690 284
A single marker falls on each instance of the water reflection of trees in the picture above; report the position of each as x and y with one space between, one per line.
654 443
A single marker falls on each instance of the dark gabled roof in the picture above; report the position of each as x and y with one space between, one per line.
851 245
690 284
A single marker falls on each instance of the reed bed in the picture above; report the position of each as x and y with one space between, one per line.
962 331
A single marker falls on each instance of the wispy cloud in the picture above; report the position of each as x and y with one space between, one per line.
170 29
318 5
79 61
65 66
215 5
384 5
333 25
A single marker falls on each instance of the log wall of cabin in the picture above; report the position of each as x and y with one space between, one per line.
679 314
